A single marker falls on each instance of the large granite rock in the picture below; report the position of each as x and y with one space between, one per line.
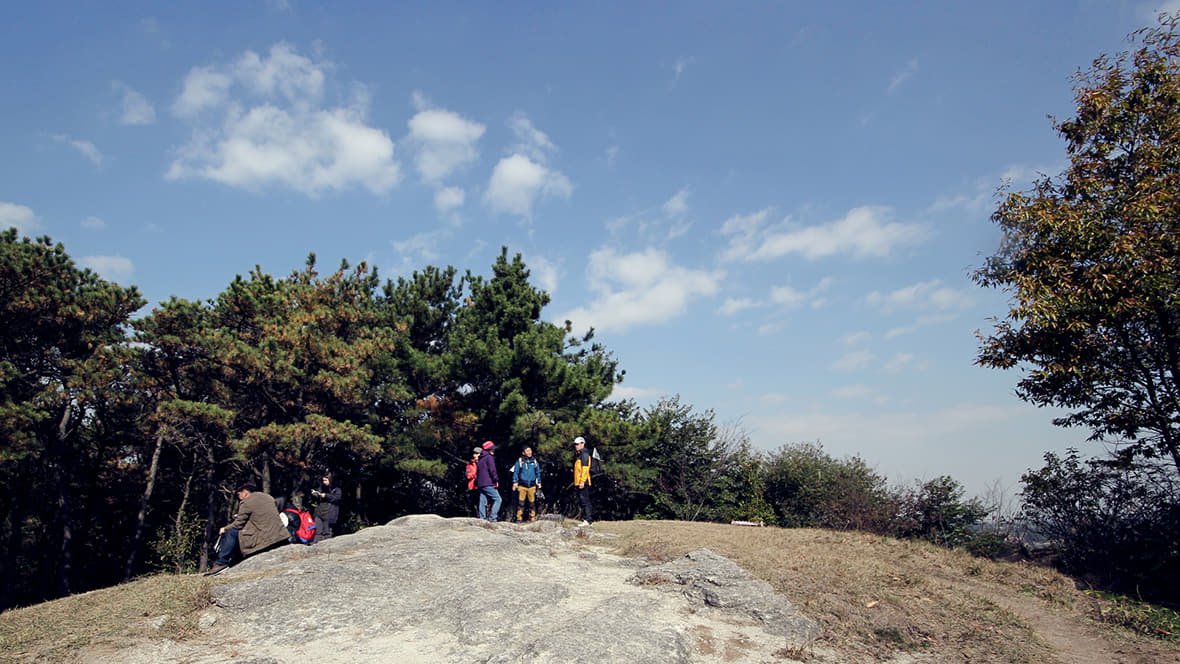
428 589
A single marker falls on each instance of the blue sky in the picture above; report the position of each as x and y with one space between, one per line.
770 209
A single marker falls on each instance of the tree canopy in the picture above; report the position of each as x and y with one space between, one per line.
1091 259
151 421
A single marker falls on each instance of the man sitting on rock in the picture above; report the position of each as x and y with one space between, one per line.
255 527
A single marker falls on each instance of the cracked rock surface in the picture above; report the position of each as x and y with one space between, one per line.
428 589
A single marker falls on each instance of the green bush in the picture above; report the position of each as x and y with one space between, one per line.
1117 524
936 511
807 487
1149 619
175 547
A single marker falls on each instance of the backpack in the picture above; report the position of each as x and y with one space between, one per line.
595 464
304 525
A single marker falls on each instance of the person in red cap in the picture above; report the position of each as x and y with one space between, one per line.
488 482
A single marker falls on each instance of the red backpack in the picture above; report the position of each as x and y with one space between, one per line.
306 529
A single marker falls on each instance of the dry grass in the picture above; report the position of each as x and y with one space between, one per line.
876 596
165 606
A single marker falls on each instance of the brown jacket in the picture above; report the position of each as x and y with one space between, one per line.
259 523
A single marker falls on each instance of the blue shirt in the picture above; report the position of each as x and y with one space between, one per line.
526 472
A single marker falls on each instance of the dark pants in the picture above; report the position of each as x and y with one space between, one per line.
323 528
228 551
584 498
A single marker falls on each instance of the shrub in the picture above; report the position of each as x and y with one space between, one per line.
808 487
936 511
1117 524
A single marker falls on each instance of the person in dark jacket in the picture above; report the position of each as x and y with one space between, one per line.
327 510
582 480
526 480
488 482
254 528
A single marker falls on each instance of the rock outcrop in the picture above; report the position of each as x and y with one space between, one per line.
428 589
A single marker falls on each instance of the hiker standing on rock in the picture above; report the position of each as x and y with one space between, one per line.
526 479
255 527
327 510
582 480
488 481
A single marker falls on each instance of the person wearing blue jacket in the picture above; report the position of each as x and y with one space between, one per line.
526 479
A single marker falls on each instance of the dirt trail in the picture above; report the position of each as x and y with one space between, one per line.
1074 641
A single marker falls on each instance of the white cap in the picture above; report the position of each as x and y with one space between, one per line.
579 441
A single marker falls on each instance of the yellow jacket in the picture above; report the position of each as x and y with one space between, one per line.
582 468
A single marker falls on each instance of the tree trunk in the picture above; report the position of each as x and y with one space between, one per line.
266 473
178 526
210 509
13 520
137 537
65 464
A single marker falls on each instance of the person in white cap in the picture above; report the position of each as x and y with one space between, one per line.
582 480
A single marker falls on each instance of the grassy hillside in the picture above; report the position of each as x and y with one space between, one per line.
877 598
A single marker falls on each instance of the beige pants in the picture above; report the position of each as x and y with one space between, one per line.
526 500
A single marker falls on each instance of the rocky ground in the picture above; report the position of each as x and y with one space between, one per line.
428 589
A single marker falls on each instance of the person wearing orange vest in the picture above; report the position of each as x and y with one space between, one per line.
472 494
582 480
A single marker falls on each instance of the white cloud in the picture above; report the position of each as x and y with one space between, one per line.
732 306
445 141
542 273
681 64
657 224
924 296
612 155
19 216
900 362
530 140
904 75
677 206
93 223
856 338
767 329
517 182
853 391
135 108
448 198
111 268
622 392
787 296
422 248
863 232
641 288
793 299
204 88
922 321
277 131
853 361
85 148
